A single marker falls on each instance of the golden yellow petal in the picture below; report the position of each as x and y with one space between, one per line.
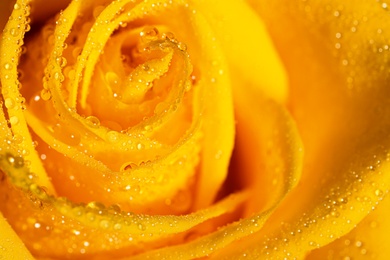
368 240
270 168
10 50
335 58
11 247
247 46
110 164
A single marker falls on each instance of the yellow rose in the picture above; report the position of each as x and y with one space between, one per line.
176 129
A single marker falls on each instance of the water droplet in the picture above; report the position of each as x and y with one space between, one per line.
16 6
37 225
122 24
140 146
378 193
45 95
93 121
335 214
58 76
14 32
61 61
17 138
141 227
182 46
149 33
76 232
95 205
104 223
9 103
117 226
15 161
169 36
8 66
27 27
112 79
14 120
114 208
126 167
136 188
112 136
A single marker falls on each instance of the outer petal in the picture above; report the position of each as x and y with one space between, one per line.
10 50
369 240
247 46
269 160
11 247
336 59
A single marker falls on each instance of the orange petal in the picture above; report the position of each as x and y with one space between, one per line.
271 166
10 244
369 240
340 100
10 50
247 46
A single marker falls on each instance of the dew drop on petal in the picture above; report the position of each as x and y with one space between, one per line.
14 32
141 227
182 46
140 146
95 205
14 120
104 223
93 121
45 94
7 66
149 33
378 192
112 136
9 103
15 161
112 79
117 226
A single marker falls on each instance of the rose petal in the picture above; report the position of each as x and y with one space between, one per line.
10 49
368 240
247 46
56 224
339 98
59 224
275 153
10 244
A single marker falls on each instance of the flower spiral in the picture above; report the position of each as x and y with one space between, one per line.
118 141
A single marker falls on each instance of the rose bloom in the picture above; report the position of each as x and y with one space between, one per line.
183 129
